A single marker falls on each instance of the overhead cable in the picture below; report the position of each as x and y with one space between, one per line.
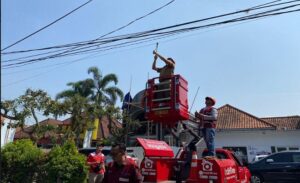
89 42
265 5
156 33
39 30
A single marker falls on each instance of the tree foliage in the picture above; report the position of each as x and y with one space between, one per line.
85 101
26 107
23 162
82 114
66 165
105 95
103 92
20 162
88 100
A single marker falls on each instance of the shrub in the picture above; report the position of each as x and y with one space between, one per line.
66 165
20 162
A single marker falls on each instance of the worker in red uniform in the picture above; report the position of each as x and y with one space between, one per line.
97 166
208 118
121 169
131 160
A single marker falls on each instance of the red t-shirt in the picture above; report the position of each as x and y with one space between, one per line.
99 158
131 160
122 173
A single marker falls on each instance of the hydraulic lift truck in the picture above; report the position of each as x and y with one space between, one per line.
161 165
166 103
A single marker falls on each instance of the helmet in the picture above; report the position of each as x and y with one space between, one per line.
211 99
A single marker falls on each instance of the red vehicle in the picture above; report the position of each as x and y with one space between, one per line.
166 102
160 164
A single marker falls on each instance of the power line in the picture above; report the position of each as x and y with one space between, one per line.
176 31
156 33
39 30
77 60
86 42
70 62
183 24
120 28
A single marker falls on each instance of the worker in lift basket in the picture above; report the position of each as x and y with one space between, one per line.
208 118
165 73
167 70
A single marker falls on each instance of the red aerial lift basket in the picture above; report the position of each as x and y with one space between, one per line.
166 101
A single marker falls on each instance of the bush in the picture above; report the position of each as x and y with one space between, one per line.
20 162
66 165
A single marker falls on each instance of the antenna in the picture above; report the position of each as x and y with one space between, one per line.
194 99
156 47
130 83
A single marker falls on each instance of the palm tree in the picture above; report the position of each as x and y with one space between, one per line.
91 97
105 95
82 115
82 88
77 103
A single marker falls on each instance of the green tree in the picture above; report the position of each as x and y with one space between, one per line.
20 162
26 107
66 165
83 88
128 127
88 100
104 94
82 115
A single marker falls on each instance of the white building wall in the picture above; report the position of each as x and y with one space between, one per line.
258 142
255 142
7 134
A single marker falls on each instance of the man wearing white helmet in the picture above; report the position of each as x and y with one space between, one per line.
208 118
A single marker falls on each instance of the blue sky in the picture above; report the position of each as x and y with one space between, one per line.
254 65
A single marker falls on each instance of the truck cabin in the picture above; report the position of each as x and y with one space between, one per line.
226 154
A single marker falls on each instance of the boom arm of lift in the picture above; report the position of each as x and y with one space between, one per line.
183 168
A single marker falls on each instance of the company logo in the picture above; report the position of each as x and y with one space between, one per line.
148 163
207 166
229 171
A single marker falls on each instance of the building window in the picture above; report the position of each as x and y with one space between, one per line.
293 148
279 149
240 152
275 149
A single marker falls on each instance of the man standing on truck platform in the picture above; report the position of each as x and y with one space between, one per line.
97 167
208 118
121 169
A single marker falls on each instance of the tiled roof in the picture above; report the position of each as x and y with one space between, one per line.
67 121
230 118
22 134
285 123
103 131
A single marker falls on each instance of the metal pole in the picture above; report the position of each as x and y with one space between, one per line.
194 100
148 129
